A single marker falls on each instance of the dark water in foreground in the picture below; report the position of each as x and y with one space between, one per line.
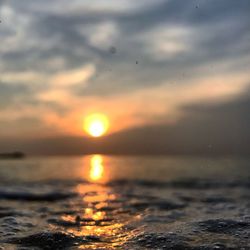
103 202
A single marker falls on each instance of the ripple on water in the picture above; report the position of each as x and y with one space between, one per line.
52 240
126 215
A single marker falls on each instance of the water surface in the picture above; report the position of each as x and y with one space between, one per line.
108 202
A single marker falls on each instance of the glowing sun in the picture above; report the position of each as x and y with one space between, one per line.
96 124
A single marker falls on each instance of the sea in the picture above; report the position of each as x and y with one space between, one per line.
125 202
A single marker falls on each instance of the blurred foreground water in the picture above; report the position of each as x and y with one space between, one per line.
107 202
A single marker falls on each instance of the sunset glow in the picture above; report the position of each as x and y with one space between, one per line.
96 125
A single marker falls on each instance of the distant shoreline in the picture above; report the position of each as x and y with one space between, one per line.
12 155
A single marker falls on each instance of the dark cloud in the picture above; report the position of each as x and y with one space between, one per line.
192 12
221 34
207 129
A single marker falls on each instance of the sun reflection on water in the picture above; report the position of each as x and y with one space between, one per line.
96 168
99 215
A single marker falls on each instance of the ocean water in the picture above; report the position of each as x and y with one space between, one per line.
116 202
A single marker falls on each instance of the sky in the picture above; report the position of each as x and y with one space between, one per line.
171 75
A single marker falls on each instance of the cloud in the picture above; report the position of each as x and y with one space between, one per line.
24 77
166 42
8 93
73 77
88 6
100 35
56 61
206 129
11 129
59 84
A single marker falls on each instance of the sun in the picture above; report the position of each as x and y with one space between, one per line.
96 124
